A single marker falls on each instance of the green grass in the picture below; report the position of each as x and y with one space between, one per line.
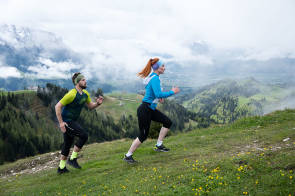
116 104
19 92
123 95
247 157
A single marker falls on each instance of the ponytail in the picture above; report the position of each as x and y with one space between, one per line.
147 69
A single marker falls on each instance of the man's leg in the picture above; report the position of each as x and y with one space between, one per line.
78 131
68 141
75 152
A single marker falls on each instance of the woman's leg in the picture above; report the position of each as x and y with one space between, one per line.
135 144
163 133
161 118
144 121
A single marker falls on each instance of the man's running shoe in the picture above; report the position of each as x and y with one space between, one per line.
129 159
61 171
74 163
161 148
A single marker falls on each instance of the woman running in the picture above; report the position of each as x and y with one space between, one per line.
147 111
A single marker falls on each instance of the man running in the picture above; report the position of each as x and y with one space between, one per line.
68 110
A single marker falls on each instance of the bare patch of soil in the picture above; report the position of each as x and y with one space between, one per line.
39 163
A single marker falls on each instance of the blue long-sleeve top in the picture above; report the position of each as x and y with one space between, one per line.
153 91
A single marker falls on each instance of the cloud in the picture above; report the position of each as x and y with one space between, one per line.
226 23
7 71
264 55
119 37
48 69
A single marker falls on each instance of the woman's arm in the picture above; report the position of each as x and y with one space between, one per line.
156 86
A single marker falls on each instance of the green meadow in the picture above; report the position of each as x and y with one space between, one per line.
252 156
118 104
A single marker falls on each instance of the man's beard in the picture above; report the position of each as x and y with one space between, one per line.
83 87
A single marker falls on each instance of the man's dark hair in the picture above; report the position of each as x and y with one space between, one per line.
75 76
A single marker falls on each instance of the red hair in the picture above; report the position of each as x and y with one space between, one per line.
147 69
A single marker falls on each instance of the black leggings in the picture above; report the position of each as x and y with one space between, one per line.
145 115
73 129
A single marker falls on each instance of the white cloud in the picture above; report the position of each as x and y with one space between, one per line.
7 71
48 69
121 35
264 55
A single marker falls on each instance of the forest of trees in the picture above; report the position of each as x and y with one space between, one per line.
22 132
219 103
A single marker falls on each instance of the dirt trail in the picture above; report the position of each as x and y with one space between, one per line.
38 163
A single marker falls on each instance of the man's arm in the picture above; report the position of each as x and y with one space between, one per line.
95 104
62 124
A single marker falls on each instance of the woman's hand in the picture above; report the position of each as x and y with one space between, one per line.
175 90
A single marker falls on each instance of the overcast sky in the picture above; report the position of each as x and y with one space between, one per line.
124 32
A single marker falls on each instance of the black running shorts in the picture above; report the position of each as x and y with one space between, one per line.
145 115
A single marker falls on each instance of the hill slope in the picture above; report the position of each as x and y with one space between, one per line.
118 104
253 156
228 100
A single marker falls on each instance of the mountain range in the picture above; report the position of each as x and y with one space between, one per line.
32 57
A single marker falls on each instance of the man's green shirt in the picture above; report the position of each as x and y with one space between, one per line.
73 103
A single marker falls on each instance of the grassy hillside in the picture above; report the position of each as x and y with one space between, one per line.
253 156
118 104
228 100
19 92
246 90
31 103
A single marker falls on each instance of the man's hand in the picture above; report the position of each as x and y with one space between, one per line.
161 100
62 126
99 100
